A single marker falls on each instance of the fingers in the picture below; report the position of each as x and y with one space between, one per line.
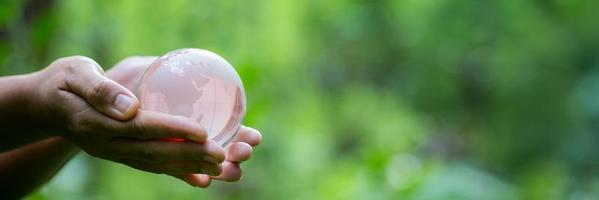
238 152
231 172
144 125
176 167
155 125
241 148
248 135
85 77
235 153
196 180
159 151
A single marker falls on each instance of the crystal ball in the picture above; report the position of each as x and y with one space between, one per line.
197 84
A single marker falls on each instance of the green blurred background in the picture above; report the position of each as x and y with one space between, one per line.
362 99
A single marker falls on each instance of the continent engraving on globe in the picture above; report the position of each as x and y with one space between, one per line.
199 85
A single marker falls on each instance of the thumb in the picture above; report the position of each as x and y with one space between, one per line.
86 78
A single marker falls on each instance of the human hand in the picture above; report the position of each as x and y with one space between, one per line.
129 71
238 151
73 97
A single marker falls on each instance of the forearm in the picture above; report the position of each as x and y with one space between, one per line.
26 168
18 124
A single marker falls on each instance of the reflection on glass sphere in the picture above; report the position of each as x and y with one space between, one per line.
199 85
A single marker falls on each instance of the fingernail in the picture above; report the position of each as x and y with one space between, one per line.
123 103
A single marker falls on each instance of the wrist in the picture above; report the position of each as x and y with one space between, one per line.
14 99
17 119
65 146
36 104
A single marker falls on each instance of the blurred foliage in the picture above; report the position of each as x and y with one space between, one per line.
388 99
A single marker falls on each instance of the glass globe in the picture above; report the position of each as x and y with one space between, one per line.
199 85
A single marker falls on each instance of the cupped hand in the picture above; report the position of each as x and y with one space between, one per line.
129 71
102 117
238 151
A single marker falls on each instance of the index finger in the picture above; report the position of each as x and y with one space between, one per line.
154 125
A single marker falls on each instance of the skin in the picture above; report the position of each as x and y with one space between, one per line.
32 165
72 104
